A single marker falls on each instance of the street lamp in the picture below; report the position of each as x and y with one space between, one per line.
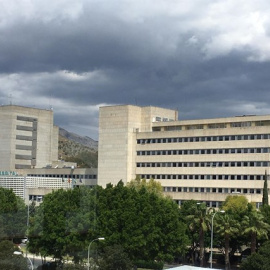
97 239
212 234
19 253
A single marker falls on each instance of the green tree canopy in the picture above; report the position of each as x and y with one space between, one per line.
13 215
144 223
254 227
151 185
10 261
260 260
227 227
265 191
114 257
236 204
64 223
200 221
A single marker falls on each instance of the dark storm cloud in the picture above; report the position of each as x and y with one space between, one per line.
204 58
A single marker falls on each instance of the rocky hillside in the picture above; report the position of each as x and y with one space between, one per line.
75 148
85 141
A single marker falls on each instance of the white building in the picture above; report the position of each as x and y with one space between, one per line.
34 184
205 160
28 138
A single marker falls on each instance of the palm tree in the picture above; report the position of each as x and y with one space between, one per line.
227 227
200 221
254 226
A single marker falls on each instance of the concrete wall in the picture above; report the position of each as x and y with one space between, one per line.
118 128
28 138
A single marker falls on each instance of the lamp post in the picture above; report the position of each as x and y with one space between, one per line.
212 235
19 253
97 239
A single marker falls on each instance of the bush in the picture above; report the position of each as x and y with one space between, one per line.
149 265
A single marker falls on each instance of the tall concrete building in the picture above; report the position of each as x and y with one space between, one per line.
205 160
118 130
28 138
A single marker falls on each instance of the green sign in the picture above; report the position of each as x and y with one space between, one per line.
8 173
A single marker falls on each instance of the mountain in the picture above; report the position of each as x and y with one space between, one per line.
75 148
86 141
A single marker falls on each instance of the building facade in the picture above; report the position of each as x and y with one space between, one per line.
34 184
28 138
205 160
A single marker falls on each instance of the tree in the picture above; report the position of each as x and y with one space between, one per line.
114 257
187 209
8 260
235 204
151 185
145 224
265 191
255 227
227 227
200 221
13 215
64 223
260 260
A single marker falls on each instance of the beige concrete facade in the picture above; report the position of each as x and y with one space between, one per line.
205 160
28 138
118 129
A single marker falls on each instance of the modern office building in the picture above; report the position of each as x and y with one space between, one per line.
34 184
28 138
29 162
205 160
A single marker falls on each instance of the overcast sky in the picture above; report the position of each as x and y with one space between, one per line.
206 58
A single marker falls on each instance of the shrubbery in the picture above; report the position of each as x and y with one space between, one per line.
149 264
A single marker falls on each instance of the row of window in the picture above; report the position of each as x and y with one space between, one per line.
74 176
214 190
205 164
214 203
244 124
203 176
208 203
204 151
205 138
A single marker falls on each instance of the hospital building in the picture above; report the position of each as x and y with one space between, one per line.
205 160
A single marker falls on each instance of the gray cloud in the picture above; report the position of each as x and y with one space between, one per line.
206 58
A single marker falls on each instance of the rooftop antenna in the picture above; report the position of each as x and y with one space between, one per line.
10 99
50 103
